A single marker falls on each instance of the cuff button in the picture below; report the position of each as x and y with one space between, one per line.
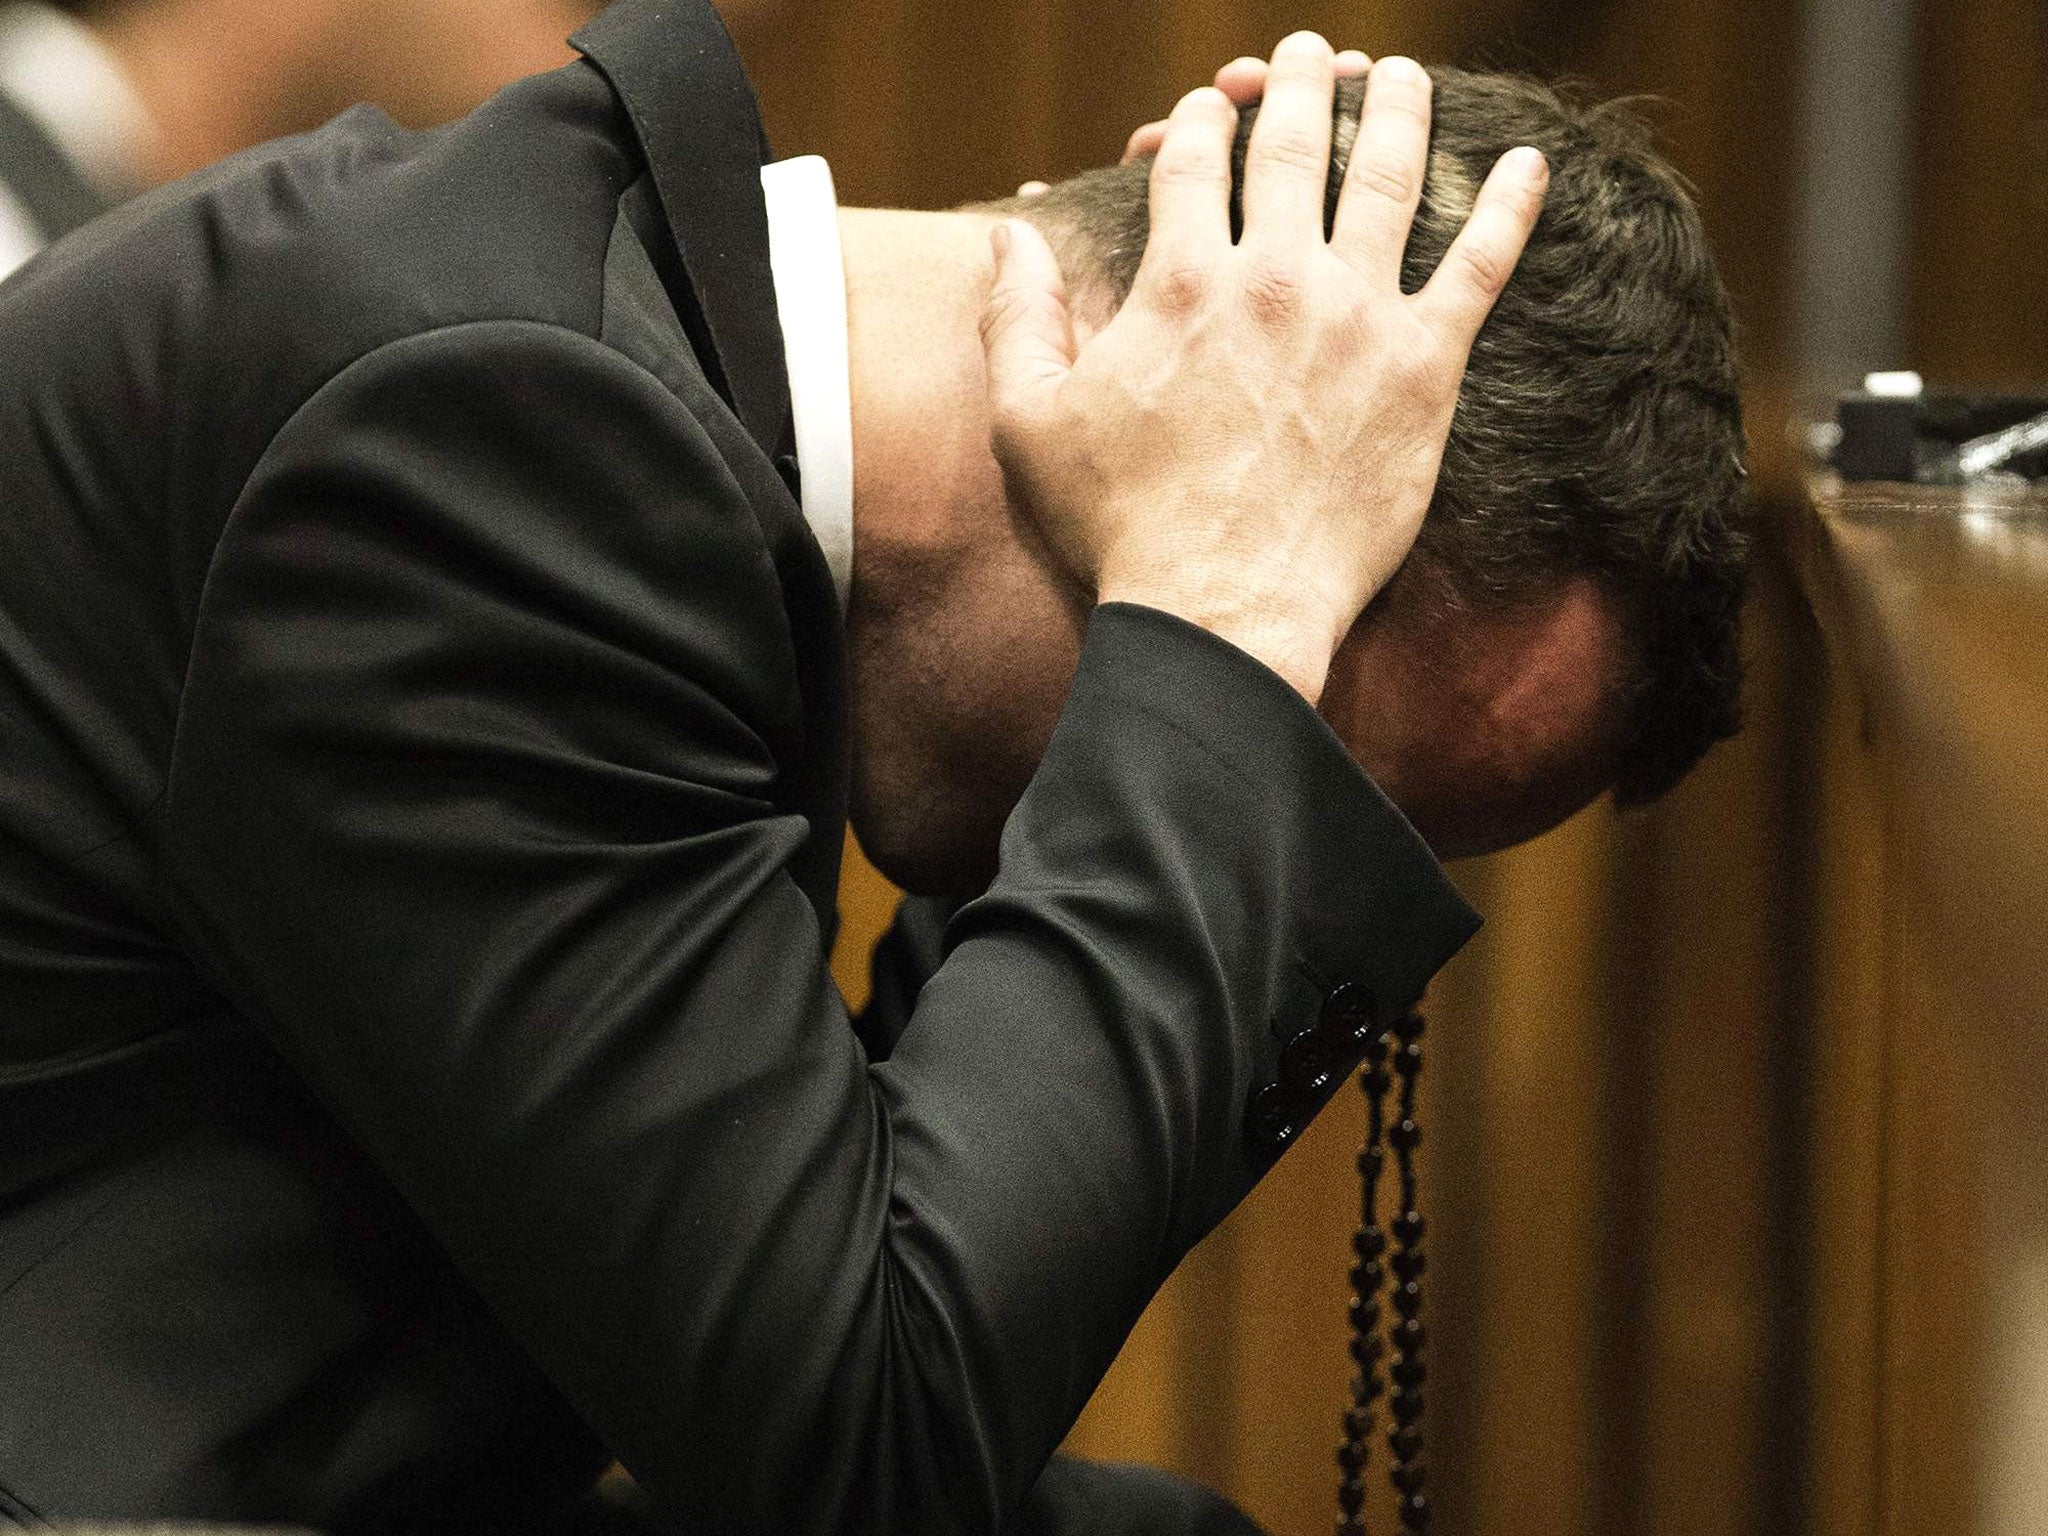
1308 1060
1351 1014
1275 1116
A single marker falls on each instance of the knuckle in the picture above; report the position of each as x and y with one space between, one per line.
1352 330
1275 289
1182 165
1377 177
1484 268
1420 369
1004 309
1180 286
1295 152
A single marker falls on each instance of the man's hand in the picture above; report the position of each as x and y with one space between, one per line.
1252 442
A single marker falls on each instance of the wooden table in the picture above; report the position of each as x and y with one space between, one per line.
1930 1296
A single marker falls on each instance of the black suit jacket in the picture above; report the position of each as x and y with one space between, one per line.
422 787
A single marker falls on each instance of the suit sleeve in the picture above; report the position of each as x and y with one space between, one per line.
475 806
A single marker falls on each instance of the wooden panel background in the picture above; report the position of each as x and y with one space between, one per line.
1977 311
1666 1155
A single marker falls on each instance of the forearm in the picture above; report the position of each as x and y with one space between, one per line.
1192 872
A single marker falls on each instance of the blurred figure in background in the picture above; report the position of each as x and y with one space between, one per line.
100 99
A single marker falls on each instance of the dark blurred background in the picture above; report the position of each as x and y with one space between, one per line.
1691 1271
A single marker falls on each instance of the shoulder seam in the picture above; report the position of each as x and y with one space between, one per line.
157 812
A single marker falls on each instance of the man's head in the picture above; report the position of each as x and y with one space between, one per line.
1567 622
1599 428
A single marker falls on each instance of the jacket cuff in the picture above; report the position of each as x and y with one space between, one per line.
1364 903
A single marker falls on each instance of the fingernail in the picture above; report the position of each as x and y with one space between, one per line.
1530 164
999 237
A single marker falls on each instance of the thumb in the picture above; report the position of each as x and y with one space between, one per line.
1026 330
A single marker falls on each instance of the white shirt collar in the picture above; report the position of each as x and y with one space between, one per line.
19 237
810 297
61 75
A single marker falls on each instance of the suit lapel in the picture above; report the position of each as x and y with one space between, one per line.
681 81
642 323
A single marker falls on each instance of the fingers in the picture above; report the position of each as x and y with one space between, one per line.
1027 333
1034 189
1243 80
1383 184
1288 162
1144 141
1190 188
1461 293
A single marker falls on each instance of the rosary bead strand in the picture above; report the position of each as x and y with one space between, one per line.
1368 1247
1410 1334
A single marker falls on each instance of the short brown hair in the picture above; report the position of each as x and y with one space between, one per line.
1599 426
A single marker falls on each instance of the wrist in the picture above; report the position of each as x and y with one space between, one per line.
1296 643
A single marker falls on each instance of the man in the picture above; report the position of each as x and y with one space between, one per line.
429 724
102 98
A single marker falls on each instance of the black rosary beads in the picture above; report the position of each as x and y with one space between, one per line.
1369 1269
